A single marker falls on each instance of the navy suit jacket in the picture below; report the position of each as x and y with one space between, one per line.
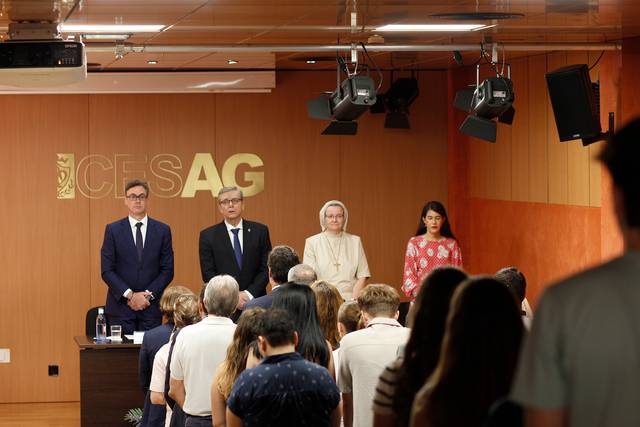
153 415
217 256
122 270
265 301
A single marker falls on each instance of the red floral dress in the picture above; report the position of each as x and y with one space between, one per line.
422 256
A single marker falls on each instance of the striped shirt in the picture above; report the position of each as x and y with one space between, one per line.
386 388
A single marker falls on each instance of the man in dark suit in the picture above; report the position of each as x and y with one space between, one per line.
236 247
137 263
281 260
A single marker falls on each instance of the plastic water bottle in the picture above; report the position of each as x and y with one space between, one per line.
101 326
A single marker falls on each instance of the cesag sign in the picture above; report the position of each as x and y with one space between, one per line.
97 176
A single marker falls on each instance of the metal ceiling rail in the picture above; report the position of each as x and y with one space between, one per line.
520 47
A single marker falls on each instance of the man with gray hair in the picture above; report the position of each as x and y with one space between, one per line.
200 348
302 274
236 247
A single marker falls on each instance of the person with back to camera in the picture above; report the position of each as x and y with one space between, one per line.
434 245
335 255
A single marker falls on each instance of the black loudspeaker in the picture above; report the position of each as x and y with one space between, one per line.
573 102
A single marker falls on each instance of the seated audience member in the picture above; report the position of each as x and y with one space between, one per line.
185 312
235 362
479 353
200 348
403 378
514 279
302 274
365 353
253 355
203 309
153 339
349 318
279 262
328 302
300 302
285 389
580 364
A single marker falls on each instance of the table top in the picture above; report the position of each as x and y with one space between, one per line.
85 342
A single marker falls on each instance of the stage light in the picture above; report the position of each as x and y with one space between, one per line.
486 101
353 96
396 101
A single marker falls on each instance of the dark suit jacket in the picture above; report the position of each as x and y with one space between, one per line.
217 256
153 415
264 301
121 269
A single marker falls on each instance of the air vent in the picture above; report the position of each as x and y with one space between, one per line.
477 16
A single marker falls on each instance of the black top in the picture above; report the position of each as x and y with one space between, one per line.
284 390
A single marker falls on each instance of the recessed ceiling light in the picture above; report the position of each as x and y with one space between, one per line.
152 62
111 29
232 61
430 27
311 61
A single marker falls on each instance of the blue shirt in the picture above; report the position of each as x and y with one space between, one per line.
284 390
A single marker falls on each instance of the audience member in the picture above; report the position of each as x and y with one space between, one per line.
154 415
253 355
185 312
302 274
403 378
349 318
236 361
365 353
479 353
300 302
328 302
200 348
285 389
581 362
514 280
280 260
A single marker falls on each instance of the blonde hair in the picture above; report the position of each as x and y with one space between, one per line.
350 316
328 302
185 310
169 297
326 206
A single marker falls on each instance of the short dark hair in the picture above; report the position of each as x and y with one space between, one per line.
281 259
620 156
514 280
276 326
137 183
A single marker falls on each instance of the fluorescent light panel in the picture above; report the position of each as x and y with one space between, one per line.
430 27
110 29
106 36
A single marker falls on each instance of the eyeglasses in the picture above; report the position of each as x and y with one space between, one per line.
227 202
134 197
332 217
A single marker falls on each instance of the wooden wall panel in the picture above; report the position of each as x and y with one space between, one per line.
520 132
52 247
577 155
538 148
557 152
45 261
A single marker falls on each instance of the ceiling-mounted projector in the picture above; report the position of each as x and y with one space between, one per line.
41 62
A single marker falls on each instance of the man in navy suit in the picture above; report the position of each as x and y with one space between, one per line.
280 261
236 247
137 263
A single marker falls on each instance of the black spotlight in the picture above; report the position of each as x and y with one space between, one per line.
396 101
491 99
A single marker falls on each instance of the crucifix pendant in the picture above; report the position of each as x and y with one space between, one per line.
337 264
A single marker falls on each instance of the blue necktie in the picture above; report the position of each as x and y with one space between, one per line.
139 240
236 247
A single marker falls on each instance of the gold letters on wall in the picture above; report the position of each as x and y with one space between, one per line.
97 176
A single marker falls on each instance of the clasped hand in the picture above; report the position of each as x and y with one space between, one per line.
139 301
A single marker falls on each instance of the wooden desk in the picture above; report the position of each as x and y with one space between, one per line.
108 382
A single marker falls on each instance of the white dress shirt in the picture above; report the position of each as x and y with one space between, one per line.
134 230
230 233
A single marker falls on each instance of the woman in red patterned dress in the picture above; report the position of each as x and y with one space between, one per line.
434 245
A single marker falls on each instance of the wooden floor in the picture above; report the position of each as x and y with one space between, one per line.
65 414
